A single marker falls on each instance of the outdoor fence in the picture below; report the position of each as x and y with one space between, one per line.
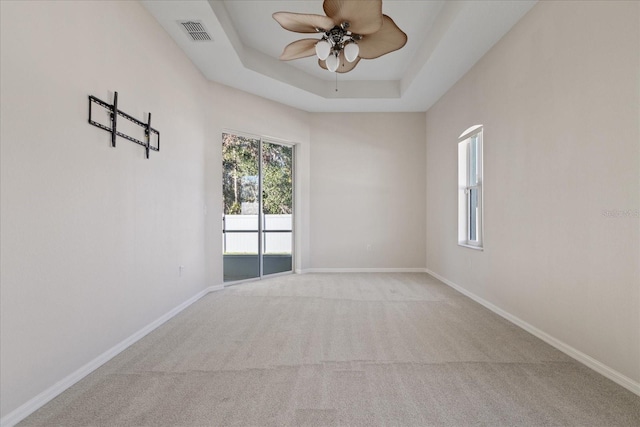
277 237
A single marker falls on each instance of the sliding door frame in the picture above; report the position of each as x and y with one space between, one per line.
261 215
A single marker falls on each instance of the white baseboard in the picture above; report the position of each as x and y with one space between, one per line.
581 357
41 399
363 270
23 411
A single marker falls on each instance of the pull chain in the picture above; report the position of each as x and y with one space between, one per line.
336 81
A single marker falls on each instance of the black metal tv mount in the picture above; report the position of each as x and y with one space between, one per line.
114 112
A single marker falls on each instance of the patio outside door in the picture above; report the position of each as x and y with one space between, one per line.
257 222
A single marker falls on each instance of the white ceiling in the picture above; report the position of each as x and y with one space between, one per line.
445 39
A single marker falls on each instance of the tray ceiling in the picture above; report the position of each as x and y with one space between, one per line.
445 39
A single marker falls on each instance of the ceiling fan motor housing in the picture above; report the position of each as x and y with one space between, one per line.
340 37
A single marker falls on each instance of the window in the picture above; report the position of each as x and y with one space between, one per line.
470 188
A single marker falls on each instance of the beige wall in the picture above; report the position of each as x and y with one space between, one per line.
367 190
234 110
559 99
92 236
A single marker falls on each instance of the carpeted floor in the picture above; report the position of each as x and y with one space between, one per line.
341 349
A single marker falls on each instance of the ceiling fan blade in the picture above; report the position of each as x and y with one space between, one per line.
363 16
303 23
299 49
387 39
344 65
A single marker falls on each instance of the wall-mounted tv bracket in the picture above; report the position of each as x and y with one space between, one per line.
114 112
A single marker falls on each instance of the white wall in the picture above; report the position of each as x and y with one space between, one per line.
368 166
559 100
92 236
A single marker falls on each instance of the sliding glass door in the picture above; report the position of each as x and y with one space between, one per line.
277 208
257 221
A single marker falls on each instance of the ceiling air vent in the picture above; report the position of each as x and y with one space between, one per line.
196 31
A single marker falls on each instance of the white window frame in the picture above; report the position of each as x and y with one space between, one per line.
470 232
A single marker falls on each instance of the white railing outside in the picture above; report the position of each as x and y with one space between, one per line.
247 243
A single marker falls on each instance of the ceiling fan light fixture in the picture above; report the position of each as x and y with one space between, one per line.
351 51
323 49
351 30
332 62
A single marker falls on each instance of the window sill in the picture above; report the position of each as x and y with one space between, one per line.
476 248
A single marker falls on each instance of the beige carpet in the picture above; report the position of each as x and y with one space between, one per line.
341 349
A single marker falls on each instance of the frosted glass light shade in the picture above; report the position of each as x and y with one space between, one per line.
332 63
323 48
351 52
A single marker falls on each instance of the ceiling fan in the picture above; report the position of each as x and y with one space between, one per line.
351 30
